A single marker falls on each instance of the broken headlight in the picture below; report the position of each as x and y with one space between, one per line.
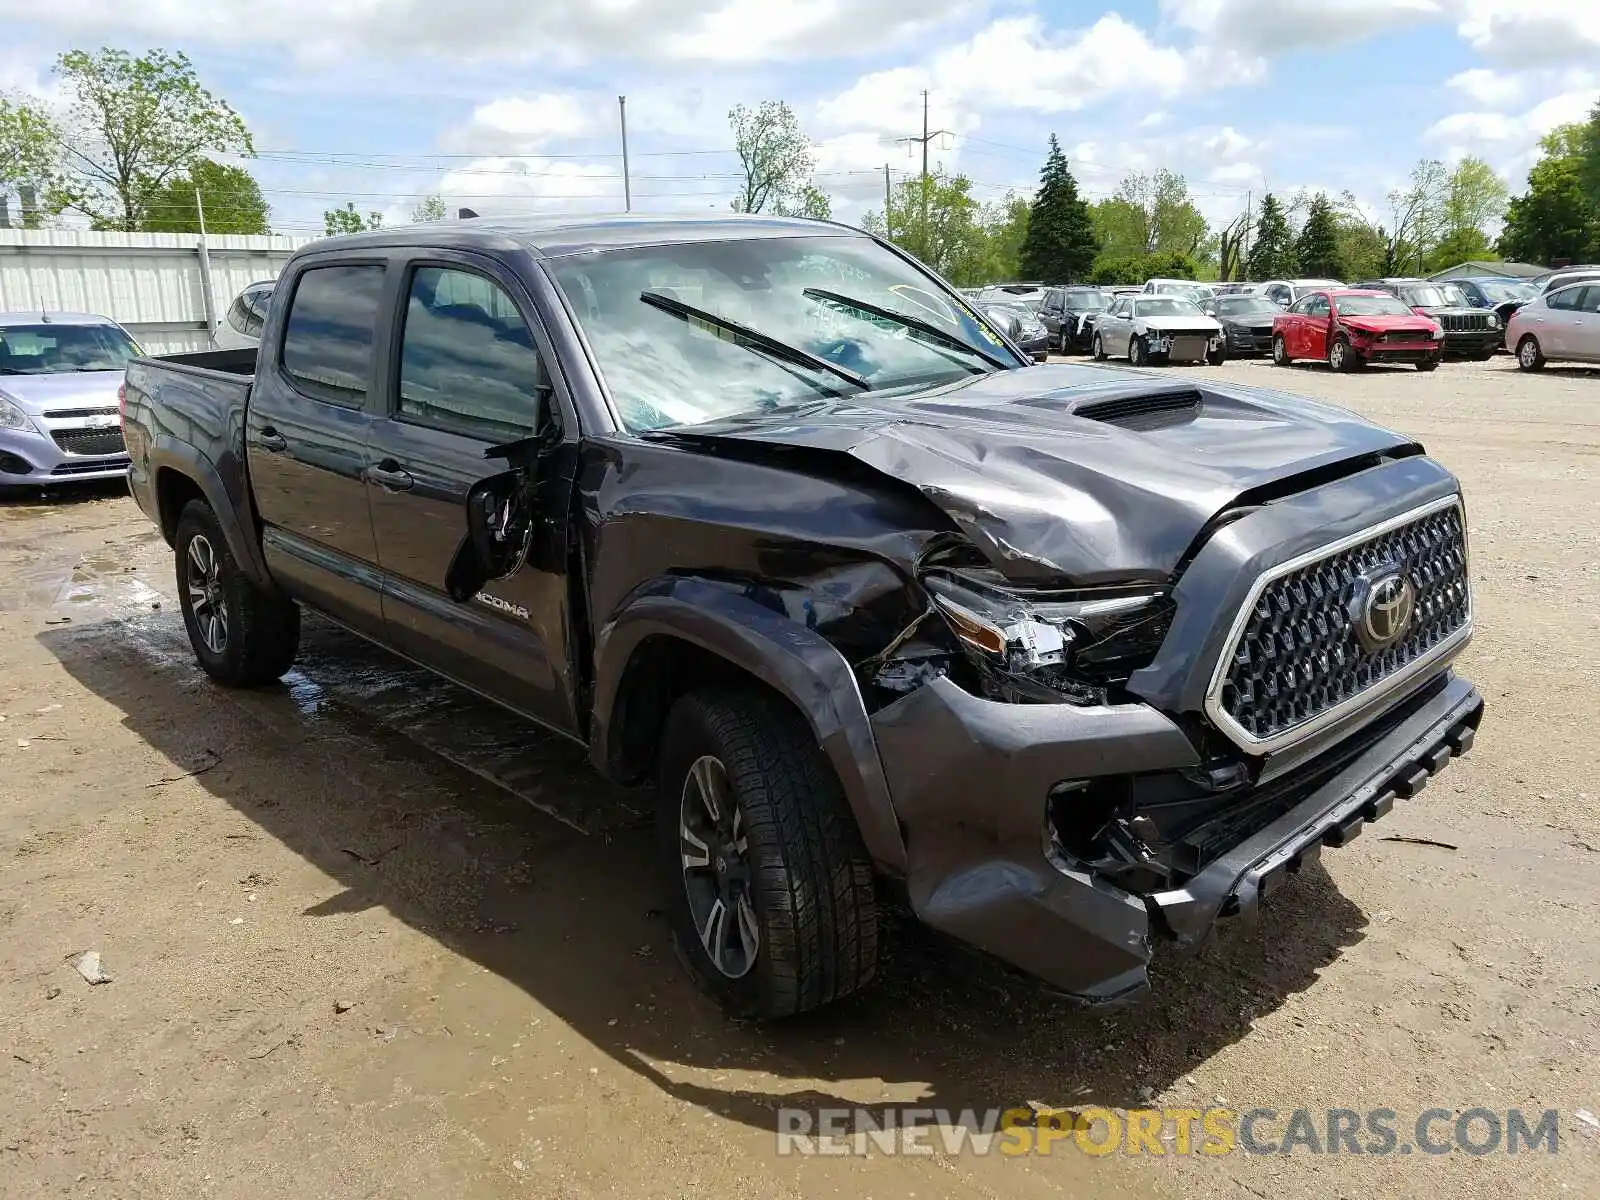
1048 646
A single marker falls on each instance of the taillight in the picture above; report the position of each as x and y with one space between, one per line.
122 404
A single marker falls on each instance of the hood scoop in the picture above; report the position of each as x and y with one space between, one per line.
1145 411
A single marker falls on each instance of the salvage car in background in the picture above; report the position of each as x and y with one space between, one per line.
59 379
1284 292
880 613
1349 328
1468 332
1023 326
241 324
1561 325
1154 329
1501 296
1246 322
1067 312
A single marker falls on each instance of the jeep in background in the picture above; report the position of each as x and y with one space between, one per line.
1468 332
1070 660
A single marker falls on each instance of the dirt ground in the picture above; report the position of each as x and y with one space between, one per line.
373 938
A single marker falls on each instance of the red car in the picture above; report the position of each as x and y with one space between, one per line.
1350 328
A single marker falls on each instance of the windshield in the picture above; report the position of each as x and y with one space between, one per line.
1500 293
1087 300
1188 291
1424 297
1167 306
664 370
1453 294
1372 306
47 349
1239 306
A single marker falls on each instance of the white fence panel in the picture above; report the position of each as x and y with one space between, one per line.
153 283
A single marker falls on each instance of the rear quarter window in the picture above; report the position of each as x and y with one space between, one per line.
330 329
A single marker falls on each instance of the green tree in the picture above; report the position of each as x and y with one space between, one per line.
1317 247
1060 245
428 210
30 149
1363 246
133 124
1459 246
810 201
952 240
1474 198
1556 218
1136 268
1588 143
774 155
347 220
1272 255
1120 227
231 196
1005 226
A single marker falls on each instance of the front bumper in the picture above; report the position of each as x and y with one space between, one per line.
971 779
1473 343
1241 340
1402 352
29 458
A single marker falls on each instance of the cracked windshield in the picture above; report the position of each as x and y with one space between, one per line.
693 333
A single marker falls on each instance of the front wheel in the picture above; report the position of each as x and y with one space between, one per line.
1280 352
1217 357
773 908
1530 357
1340 356
242 634
1138 352
1428 364
1099 350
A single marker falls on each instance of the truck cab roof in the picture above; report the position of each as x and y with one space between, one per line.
556 236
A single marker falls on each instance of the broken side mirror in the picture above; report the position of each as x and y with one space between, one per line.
500 522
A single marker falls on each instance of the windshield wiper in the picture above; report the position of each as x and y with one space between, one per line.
915 324
752 339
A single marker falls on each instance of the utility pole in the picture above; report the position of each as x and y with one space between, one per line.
925 139
208 299
627 186
888 204
1244 260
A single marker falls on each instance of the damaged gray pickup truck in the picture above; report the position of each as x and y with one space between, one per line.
1071 661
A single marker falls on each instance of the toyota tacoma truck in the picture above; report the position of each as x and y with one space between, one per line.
1073 662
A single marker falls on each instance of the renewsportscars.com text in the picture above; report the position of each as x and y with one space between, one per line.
1166 1131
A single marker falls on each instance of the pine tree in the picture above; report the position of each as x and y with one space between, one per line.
1060 245
1317 247
1273 255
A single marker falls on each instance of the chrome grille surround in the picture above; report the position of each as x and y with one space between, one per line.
1294 633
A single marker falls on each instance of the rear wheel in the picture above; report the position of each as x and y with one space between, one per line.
773 907
242 634
1530 357
1280 351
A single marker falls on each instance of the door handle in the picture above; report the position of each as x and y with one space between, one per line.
270 439
388 474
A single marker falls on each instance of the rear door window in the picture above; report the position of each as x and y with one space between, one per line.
329 333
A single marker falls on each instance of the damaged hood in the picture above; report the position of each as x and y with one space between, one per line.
1072 474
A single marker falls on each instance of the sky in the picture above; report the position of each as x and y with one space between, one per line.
511 105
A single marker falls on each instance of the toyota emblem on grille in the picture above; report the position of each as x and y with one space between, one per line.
1385 608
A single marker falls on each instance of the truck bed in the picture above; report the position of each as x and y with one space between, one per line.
229 362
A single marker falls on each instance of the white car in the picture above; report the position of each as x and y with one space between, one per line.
1561 325
1284 292
1187 288
1147 329
240 327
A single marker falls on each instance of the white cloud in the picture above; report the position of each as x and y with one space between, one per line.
1508 140
1531 32
525 123
1151 119
499 186
1488 87
1276 26
1228 145
553 30
1014 63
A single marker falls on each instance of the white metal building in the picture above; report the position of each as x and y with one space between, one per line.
168 289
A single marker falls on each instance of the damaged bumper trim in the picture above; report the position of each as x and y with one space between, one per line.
1398 765
969 780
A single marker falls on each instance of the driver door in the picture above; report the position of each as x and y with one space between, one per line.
470 372
1317 324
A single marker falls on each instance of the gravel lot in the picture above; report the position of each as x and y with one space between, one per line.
370 937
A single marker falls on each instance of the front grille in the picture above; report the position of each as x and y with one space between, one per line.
90 441
1406 335
63 414
1297 659
1464 322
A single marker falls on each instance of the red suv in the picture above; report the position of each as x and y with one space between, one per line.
1350 328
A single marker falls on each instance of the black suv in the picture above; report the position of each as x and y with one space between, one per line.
1069 661
1468 332
1063 310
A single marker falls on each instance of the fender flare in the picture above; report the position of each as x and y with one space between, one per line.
167 454
793 660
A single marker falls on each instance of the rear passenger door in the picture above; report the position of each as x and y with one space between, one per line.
306 431
470 370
